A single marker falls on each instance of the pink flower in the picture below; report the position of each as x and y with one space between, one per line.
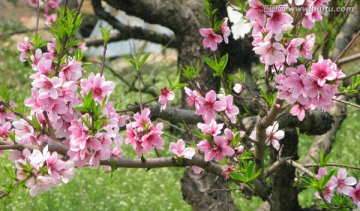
292 53
23 131
5 115
44 67
292 85
4 130
323 70
25 48
209 105
229 135
196 169
191 100
256 13
165 97
52 49
180 151
306 48
141 120
321 173
36 58
40 183
355 194
311 16
342 182
98 85
211 128
328 193
231 110
237 88
225 30
217 150
48 86
72 71
152 139
50 18
226 171
299 111
273 135
276 20
270 53
210 38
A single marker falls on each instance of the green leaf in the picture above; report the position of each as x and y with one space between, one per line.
191 72
105 33
138 61
10 173
250 169
327 158
86 121
237 176
200 134
210 62
170 83
314 159
35 123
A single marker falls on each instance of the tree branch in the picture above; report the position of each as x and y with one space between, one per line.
149 163
172 14
127 32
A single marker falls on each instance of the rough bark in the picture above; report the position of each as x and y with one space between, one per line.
200 191
284 195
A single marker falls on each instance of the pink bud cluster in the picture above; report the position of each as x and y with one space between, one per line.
41 169
211 39
309 90
341 184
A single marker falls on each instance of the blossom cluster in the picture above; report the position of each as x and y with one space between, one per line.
342 184
59 113
207 105
211 39
215 146
309 90
42 170
50 8
304 90
269 27
142 134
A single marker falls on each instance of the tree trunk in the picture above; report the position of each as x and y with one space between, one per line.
284 195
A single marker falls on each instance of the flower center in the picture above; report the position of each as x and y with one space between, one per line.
97 91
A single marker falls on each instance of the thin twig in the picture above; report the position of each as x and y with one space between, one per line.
300 167
38 18
139 86
349 76
348 59
335 165
347 47
347 103
103 59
